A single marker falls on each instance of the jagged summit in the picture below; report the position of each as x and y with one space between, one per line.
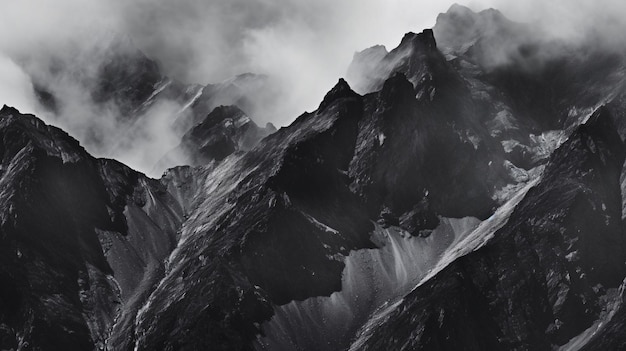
270 127
439 200
222 113
417 56
339 91
21 130
465 16
7 109
245 78
374 50
459 9
225 130
397 88
424 39
368 56
601 127
460 28
548 238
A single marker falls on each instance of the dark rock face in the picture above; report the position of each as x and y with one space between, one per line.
224 131
50 248
297 207
281 216
416 56
499 213
402 135
128 79
69 223
541 280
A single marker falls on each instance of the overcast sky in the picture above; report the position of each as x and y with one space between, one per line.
306 45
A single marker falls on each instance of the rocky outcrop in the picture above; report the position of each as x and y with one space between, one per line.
82 238
542 279
455 204
263 237
400 136
225 130
273 225
416 57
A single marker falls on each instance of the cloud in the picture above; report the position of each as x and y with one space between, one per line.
16 89
573 20
144 147
304 46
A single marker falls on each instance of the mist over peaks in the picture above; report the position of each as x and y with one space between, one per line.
53 56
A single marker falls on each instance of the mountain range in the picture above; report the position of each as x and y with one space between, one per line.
463 191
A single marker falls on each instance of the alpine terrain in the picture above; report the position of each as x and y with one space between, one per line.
465 190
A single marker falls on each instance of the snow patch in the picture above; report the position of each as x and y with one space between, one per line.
481 235
461 246
192 101
159 88
319 224
615 299
371 279
381 138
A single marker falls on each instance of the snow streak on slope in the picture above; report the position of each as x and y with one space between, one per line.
370 278
482 234
615 302
159 87
191 101
461 246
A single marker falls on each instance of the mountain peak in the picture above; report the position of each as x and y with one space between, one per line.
270 127
459 9
224 111
460 28
397 88
424 39
6 110
225 130
375 49
459 17
18 130
223 118
600 125
340 90
10 115
460 12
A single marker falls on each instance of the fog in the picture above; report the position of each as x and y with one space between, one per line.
304 46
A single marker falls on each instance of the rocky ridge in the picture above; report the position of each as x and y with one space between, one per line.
511 197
